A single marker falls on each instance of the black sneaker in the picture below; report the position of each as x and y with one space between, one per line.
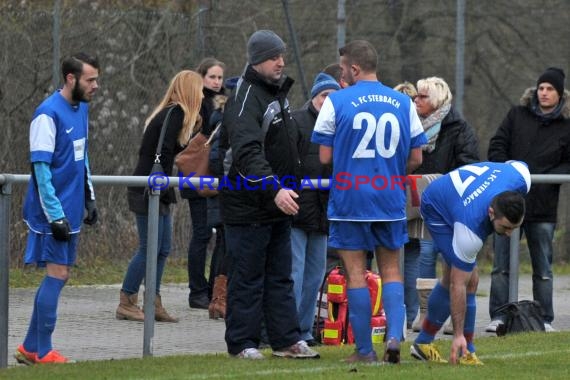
313 343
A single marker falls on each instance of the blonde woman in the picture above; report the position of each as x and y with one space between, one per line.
184 97
452 143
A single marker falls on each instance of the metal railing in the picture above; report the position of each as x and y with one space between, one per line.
7 180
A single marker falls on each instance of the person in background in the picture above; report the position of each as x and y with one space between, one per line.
212 72
335 71
333 260
452 143
310 225
257 216
352 129
408 89
537 131
410 261
182 99
220 260
58 193
461 209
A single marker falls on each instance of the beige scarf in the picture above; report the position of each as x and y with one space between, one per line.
432 126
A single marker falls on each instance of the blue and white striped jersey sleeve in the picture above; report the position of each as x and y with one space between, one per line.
325 126
522 168
416 129
42 138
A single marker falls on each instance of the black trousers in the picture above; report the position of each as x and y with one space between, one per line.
260 286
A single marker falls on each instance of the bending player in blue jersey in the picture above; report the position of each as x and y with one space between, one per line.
460 210
59 191
373 137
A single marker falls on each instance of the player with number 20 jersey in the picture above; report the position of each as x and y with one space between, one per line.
377 127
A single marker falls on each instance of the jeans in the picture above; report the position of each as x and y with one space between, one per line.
420 259
137 267
308 270
197 250
428 259
539 238
411 299
260 286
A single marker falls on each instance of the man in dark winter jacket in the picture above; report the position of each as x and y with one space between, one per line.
310 225
258 204
538 132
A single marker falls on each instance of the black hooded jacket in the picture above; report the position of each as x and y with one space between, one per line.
259 162
313 202
543 143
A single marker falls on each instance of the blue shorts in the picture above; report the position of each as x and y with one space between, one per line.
43 248
355 236
442 235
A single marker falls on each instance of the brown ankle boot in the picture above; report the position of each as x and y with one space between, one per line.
424 287
160 313
128 308
217 307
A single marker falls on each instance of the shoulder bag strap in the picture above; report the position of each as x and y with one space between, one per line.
161 138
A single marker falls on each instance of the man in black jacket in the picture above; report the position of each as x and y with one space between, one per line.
538 132
258 203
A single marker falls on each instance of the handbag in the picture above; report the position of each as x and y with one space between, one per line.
195 159
520 317
138 202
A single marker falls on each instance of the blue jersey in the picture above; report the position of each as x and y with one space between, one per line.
371 129
461 200
58 137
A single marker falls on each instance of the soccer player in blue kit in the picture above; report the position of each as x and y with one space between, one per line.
59 191
460 210
373 137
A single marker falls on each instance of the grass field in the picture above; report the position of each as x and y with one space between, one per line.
95 273
111 272
522 356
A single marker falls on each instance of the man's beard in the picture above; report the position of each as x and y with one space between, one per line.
78 94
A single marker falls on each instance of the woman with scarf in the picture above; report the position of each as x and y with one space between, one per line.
451 143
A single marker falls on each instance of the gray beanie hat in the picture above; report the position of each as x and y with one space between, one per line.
262 45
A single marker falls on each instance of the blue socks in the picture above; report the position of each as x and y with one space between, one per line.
469 324
31 340
392 298
360 313
438 312
45 310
